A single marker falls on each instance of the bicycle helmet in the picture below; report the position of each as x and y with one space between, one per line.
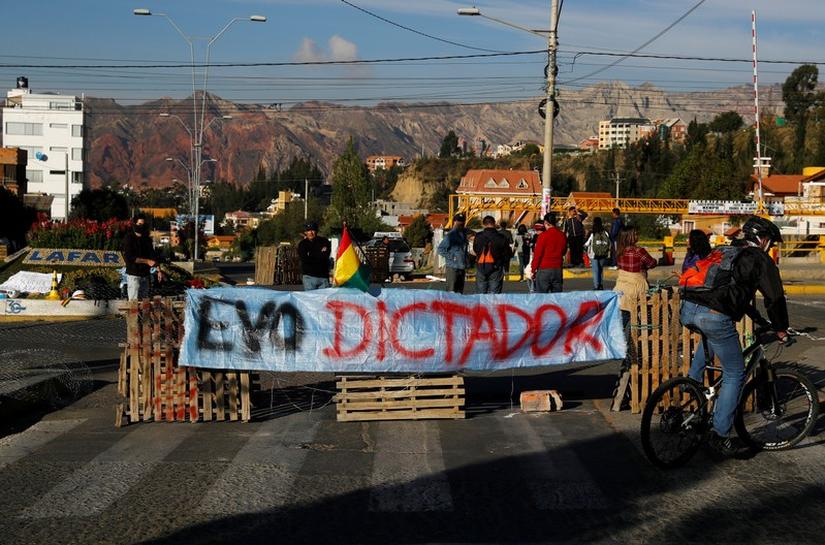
759 228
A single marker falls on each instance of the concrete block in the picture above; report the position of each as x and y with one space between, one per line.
540 401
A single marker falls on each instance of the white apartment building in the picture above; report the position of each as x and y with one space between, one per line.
50 128
621 131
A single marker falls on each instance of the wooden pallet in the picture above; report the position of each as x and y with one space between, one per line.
399 398
151 385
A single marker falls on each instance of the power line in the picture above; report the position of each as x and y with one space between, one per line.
647 43
691 58
414 31
283 63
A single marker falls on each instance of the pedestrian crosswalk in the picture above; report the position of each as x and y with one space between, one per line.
399 467
408 469
92 488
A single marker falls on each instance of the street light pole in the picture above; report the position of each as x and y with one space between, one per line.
198 126
552 44
549 117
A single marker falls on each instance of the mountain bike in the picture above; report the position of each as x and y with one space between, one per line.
776 410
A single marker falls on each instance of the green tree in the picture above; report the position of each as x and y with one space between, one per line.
16 219
384 180
799 94
726 122
100 205
819 143
449 146
696 133
351 191
418 232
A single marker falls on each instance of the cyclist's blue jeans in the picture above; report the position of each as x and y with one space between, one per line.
723 341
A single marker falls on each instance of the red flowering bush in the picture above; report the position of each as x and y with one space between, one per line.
78 233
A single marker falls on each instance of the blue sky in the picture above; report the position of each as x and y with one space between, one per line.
106 32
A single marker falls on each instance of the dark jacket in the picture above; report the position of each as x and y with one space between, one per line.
135 247
499 247
573 227
615 228
753 270
314 256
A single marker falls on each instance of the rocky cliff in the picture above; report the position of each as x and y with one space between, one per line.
129 144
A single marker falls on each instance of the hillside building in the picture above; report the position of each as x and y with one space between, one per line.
672 130
50 128
383 162
13 170
621 131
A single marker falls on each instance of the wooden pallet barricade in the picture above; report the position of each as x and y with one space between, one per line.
362 398
660 348
152 387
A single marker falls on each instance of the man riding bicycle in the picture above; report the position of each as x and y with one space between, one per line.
715 311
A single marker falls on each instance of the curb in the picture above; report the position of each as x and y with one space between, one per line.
805 289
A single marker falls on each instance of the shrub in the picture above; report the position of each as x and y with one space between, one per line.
78 233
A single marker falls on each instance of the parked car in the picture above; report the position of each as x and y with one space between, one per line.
401 262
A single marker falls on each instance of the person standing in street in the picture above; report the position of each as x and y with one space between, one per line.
453 248
574 230
598 250
314 252
522 248
548 257
493 253
139 257
616 225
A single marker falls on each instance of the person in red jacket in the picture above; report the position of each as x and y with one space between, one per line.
548 257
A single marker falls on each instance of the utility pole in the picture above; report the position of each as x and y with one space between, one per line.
547 168
306 197
618 180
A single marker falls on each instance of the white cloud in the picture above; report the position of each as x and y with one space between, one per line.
338 49
309 51
342 50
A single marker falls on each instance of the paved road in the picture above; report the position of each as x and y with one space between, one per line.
297 476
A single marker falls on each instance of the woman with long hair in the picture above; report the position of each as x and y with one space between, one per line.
633 262
698 247
598 250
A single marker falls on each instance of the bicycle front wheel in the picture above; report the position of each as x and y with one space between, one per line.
777 415
674 422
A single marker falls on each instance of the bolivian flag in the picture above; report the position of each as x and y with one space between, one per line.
349 271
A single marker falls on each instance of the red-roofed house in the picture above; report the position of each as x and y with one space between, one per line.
500 182
779 185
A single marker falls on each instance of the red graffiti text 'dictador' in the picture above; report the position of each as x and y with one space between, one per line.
505 330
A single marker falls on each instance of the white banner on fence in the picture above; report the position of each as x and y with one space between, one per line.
398 330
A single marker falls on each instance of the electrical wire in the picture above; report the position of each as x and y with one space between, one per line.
414 31
647 43
282 63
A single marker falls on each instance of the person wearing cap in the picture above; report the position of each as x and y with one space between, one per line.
453 248
314 252
548 256
139 257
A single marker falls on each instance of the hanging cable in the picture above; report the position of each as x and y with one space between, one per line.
647 43
414 31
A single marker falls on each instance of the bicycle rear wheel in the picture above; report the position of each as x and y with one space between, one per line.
768 423
674 422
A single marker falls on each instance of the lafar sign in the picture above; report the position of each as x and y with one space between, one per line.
68 256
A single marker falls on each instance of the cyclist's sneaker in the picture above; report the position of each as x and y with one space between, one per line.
722 445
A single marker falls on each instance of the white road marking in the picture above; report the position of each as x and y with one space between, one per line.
261 475
98 484
408 473
20 445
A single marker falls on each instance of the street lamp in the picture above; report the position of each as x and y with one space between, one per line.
547 167
198 120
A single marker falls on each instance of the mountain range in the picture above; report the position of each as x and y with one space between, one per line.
130 144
